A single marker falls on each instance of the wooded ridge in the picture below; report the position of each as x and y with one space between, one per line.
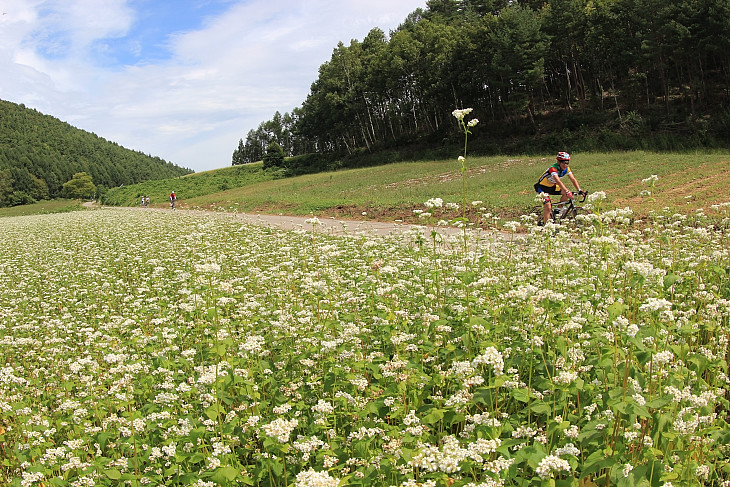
540 75
39 153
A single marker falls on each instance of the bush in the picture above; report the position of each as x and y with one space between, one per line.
20 198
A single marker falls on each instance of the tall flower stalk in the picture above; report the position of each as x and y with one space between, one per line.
465 126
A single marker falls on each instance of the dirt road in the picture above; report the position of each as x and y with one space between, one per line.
328 226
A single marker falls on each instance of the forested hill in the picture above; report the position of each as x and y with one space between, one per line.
541 75
38 153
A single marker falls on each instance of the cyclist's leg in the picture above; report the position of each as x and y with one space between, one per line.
547 207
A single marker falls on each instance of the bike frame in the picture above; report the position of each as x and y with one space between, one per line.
562 209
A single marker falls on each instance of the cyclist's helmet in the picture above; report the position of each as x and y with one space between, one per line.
563 156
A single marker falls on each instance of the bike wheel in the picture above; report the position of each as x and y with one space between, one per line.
535 214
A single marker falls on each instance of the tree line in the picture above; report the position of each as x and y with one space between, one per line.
39 154
526 67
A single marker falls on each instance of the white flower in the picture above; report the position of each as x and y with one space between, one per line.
313 221
511 225
323 407
663 357
434 203
493 357
597 196
568 449
654 304
460 114
280 429
551 463
566 377
210 268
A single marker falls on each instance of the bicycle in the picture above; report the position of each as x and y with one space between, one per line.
563 212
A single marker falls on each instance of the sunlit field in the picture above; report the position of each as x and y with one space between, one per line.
159 348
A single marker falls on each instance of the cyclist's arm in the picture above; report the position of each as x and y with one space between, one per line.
574 181
561 184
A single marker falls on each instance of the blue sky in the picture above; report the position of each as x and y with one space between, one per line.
182 80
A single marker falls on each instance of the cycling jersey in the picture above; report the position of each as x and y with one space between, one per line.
548 180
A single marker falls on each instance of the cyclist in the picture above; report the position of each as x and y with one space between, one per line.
551 183
173 199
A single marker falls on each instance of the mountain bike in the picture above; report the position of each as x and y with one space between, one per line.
565 212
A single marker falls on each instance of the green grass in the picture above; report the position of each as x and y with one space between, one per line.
192 185
43 207
503 183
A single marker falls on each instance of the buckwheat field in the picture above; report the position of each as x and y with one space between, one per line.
158 348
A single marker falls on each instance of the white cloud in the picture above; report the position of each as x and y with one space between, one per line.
218 82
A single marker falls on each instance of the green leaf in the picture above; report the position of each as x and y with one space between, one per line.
224 475
433 417
520 395
670 279
220 349
596 461
615 310
541 407
212 412
113 474
659 402
452 417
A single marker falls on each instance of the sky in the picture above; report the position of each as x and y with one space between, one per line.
183 80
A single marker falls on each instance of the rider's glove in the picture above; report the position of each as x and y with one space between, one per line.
570 194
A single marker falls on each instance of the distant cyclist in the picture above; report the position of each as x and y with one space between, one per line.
551 183
173 199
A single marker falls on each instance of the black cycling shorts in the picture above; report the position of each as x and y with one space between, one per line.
547 189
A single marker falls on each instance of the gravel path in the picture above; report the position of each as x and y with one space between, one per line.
330 226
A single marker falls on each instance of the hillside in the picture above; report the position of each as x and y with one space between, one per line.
686 182
38 153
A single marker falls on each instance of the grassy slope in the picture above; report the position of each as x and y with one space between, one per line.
42 207
504 184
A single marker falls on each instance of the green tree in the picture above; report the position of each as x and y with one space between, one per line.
239 155
80 186
274 156
6 187
520 48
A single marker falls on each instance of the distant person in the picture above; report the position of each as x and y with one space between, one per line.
141 203
147 201
173 199
551 183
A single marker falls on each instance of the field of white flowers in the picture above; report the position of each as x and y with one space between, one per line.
159 348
